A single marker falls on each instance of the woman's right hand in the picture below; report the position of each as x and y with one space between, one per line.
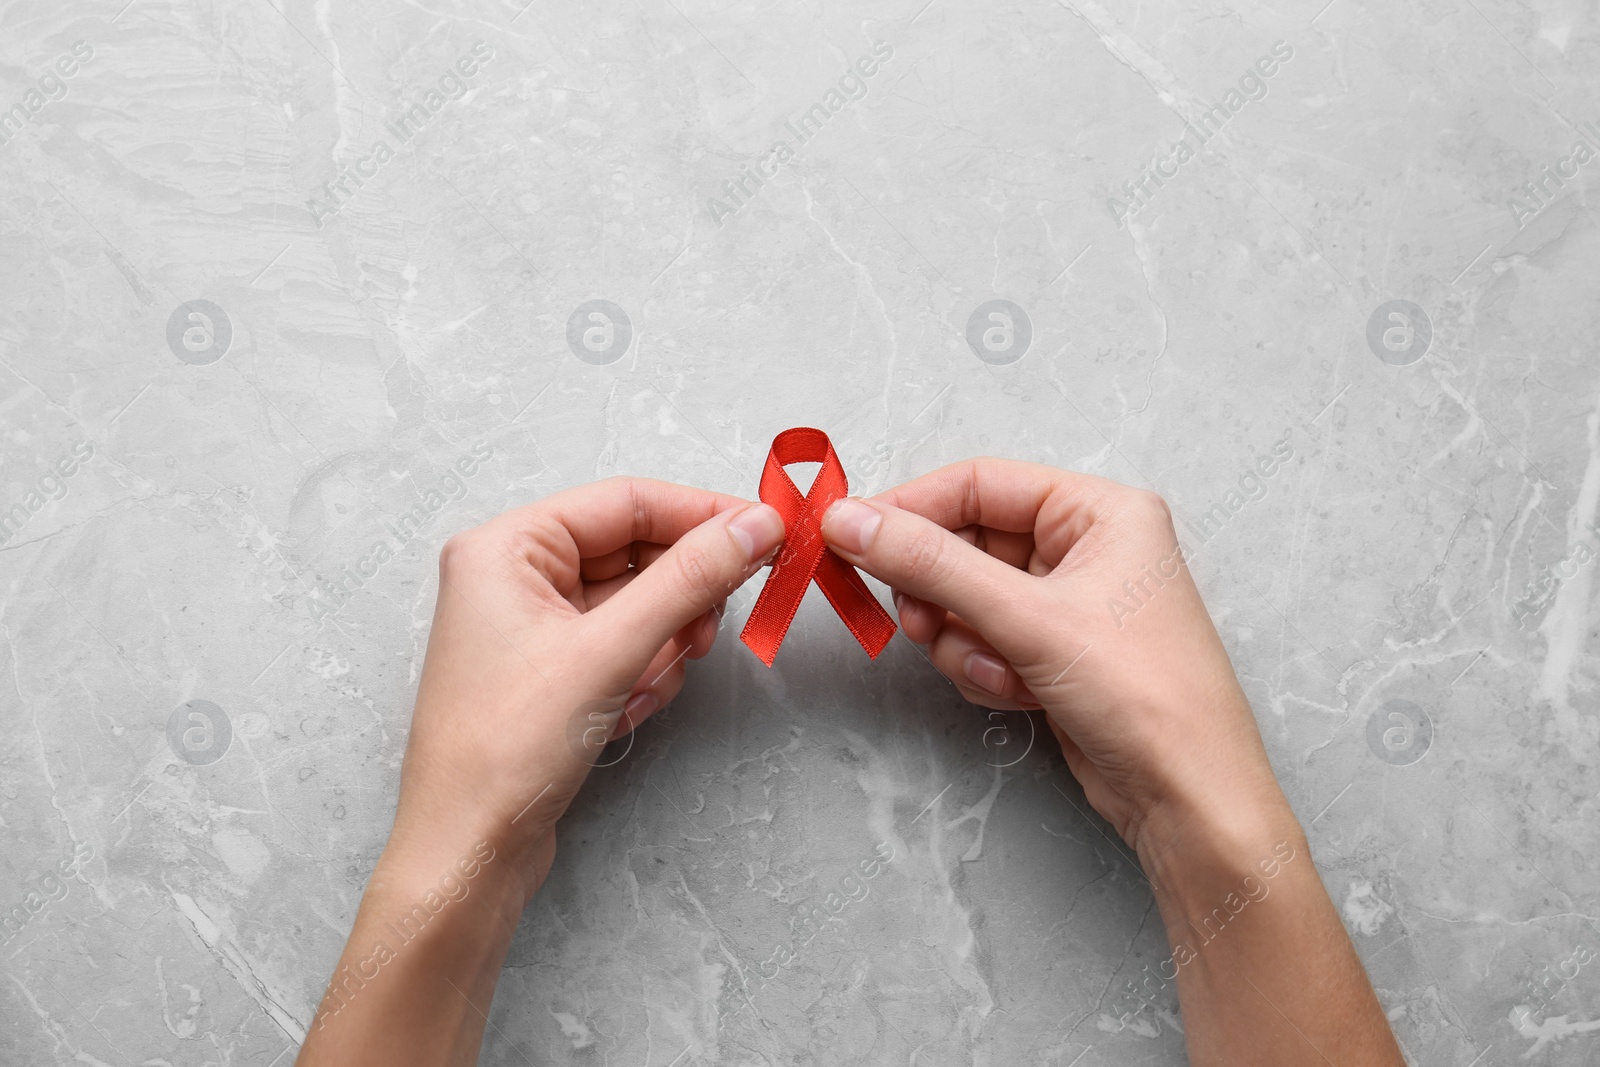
1035 587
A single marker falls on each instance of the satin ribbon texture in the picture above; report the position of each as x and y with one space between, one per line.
804 557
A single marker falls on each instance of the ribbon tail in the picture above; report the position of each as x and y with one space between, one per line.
872 626
763 640
775 609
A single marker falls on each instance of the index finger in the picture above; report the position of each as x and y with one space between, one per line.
604 516
1002 494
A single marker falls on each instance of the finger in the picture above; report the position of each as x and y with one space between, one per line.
646 553
913 554
604 575
700 635
608 565
1101 797
1057 505
919 619
665 676
591 521
691 577
1018 549
1002 494
592 594
661 681
952 647
1069 750
1004 545
974 695
606 515
964 657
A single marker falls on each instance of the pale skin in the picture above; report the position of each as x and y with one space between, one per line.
554 618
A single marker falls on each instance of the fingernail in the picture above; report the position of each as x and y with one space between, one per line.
639 707
986 672
851 525
900 605
757 530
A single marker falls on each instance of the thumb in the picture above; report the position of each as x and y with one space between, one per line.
701 569
909 553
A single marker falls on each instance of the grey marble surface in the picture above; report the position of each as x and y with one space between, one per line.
221 519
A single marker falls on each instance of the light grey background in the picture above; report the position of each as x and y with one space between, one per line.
1431 540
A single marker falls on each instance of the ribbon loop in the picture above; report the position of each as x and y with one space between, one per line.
805 557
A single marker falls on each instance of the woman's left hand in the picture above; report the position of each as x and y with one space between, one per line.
558 626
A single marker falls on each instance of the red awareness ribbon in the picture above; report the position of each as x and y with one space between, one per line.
805 557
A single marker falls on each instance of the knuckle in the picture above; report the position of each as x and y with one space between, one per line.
923 558
462 551
475 549
632 488
1150 507
698 575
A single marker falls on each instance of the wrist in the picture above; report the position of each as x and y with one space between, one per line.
447 876
428 942
437 830
1202 852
